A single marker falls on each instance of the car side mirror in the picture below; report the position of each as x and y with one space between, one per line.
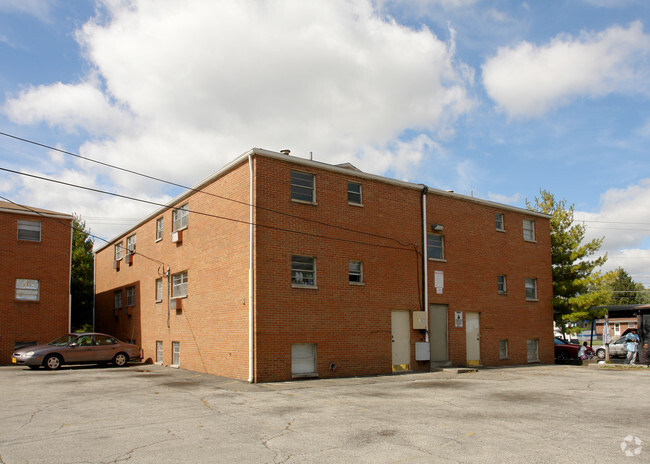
73 345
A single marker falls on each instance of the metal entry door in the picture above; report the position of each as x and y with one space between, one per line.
473 338
400 332
438 332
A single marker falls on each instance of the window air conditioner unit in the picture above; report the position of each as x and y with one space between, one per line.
177 237
128 259
176 303
116 265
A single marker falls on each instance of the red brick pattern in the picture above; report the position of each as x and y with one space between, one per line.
350 324
47 261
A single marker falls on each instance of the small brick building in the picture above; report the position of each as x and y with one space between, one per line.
35 260
278 267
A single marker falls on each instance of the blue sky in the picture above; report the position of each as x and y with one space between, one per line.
496 99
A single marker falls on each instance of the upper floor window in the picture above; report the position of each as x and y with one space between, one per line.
159 290
130 296
119 251
303 270
531 289
130 244
27 290
180 217
501 284
159 228
499 222
355 272
529 230
117 299
179 285
29 230
354 193
436 246
303 187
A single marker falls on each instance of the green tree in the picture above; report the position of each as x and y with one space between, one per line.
577 286
81 285
624 290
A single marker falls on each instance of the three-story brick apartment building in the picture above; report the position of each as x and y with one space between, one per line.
35 260
278 267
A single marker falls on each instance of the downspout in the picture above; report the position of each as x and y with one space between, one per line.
251 345
94 286
70 279
425 261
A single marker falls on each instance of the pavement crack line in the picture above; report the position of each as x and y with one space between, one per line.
124 457
287 430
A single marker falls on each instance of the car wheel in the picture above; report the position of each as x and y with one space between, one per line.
600 353
52 362
120 359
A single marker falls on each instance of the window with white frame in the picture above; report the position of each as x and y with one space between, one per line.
159 290
117 299
631 325
501 284
179 285
499 222
532 351
180 217
303 186
119 251
27 290
130 244
355 272
354 193
29 230
617 328
130 296
176 354
531 289
160 224
303 271
436 246
159 352
529 230
503 349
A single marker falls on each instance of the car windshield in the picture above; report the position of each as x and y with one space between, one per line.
62 341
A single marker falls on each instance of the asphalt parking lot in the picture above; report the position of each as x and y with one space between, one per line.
152 414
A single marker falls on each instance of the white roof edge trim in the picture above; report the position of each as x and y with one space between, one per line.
40 213
319 165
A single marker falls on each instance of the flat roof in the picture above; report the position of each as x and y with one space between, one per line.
344 168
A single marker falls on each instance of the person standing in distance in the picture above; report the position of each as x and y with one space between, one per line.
631 344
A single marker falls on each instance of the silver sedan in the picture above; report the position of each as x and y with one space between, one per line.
77 348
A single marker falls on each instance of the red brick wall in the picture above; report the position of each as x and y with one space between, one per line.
47 261
212 326
350 324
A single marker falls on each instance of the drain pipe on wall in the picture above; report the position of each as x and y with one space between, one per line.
425 260
251 333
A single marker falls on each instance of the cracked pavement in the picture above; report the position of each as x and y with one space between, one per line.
152 414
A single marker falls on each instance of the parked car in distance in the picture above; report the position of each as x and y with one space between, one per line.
566 350
77 348
616 349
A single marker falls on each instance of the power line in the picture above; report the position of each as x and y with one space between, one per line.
175 184
127 197
78 229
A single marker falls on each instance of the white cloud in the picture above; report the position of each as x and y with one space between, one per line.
623 220
529 80
505 199
204 81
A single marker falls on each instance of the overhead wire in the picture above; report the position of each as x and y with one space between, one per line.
282 229
191 189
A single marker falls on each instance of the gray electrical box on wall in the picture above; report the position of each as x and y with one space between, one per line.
422 351
419 319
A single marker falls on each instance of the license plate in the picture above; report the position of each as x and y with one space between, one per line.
13 360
